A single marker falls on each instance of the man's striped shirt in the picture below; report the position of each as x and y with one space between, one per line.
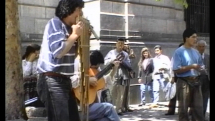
55 35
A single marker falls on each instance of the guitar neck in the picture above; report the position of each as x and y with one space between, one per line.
104 71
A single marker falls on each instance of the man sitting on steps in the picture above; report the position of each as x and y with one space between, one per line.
98 111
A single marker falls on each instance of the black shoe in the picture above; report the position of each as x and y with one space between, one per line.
141 104
120 114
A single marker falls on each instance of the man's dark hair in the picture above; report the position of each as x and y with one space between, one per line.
158 46
67 7
187 33
96 58
180 44
121 39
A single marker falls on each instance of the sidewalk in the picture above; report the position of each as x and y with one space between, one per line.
145 114
140 114
155 114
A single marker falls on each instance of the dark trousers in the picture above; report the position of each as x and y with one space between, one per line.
125 104
59 100
172 102
106 96
189 96
205 91
172 105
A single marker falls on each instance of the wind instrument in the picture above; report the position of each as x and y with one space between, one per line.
83 54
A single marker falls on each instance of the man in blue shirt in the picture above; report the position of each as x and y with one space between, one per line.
187 64
56 62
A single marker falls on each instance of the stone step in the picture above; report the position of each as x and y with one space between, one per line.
38 119
32 119
36 112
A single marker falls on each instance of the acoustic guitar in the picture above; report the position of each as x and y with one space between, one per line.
100 80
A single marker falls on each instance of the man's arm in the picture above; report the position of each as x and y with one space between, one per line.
68 45
177 67
127 60
75 80
58 42
60 45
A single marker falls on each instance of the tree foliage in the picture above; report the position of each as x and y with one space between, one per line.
181 2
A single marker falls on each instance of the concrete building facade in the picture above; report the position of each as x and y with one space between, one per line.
143 22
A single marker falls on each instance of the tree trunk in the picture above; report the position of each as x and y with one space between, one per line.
14 80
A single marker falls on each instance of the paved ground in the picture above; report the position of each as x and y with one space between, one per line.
141 114
145 114
155 114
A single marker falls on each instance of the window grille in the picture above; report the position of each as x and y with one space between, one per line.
197 15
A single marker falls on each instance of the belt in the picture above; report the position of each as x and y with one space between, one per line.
55 74
190 78
191 81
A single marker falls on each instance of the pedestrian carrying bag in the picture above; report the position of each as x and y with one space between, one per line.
170 91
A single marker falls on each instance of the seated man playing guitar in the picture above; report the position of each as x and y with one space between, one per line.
98 111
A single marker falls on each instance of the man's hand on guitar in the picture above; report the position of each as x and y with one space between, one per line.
93 81
116 64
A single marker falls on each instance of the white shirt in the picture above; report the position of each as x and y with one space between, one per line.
161 61
203 55
29 68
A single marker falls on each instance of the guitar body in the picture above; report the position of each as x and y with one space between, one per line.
92 90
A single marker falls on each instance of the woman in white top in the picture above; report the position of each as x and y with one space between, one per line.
29 60
29 65
145 74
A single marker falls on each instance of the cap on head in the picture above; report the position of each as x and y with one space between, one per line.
158 46
121 39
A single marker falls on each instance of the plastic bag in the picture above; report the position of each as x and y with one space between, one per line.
170 91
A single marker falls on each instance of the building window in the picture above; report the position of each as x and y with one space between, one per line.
197 15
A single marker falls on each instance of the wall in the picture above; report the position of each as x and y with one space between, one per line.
33 16
144 22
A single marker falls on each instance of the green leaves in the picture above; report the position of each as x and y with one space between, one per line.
181 2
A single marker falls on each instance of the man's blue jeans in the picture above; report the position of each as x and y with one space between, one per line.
157 83
59 100
102 112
